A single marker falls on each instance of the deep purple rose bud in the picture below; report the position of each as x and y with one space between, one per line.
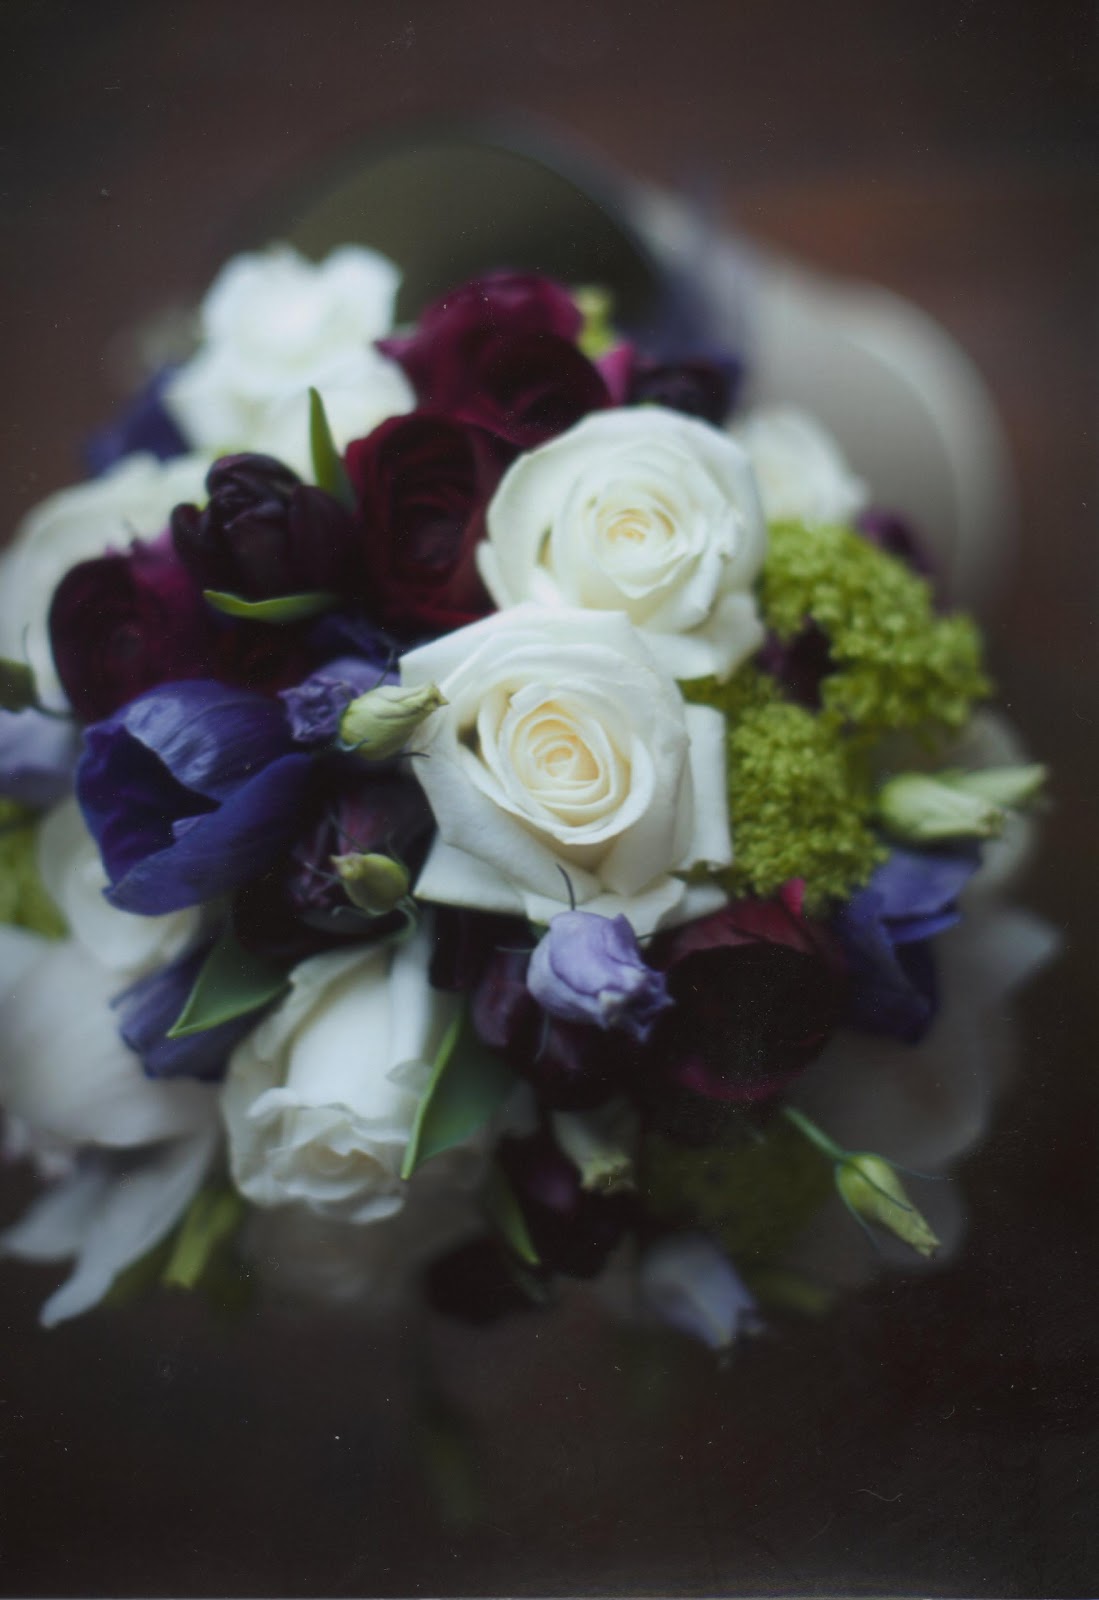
264 533
314 708
589 969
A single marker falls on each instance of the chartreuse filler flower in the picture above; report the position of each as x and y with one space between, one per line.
450 814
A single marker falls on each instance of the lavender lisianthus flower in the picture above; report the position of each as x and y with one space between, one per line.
189 791
689 1284
314 707
885 931
589 968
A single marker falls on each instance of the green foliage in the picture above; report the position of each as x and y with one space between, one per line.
284 608
231 982
23 897
468 1084
898 664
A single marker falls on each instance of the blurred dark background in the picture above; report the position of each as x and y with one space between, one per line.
934 1436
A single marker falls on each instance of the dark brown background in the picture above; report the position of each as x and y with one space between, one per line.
934 1437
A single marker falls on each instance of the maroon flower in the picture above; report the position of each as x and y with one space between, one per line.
500 352
760 989
422 485
702 387
122 623
263 533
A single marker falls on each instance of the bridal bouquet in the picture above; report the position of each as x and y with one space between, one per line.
457 783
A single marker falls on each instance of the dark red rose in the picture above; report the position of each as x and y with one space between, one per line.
500 353
422 484
572 1228
759 989
263 533
122 623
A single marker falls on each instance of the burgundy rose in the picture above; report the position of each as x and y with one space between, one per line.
263 533
500 353
760 989
422 484
122 623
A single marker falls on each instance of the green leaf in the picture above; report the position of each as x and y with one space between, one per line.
231 982
506 1215
212 1218
468 1083
282 609
17 690
328 467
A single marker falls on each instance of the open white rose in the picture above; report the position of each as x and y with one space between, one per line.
801 473
564 749
133 500
641 511
275 325
320 1099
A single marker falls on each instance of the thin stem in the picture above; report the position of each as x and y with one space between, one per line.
816 1136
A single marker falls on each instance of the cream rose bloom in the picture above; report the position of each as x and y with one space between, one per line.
274 325
564 749
320 1099
641 511
133 500
799 468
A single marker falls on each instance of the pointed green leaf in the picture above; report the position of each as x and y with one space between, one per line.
17 690
231 982
328 467
212 1218
468 1083
283 608
506 1215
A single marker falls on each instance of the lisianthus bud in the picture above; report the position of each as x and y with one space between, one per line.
920 809
374 883
589 968
380 723
1001 786
870 1186
264 533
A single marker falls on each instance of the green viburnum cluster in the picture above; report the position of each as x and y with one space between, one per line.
897 664
801 789
23 897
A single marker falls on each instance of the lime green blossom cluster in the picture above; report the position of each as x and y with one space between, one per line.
800 797
23 897
897 664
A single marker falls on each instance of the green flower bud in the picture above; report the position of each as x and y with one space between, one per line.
17 690
1001 786
919 809
597 334
380 723
870 1186
374 883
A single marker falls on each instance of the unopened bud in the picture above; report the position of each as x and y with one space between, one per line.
374 883
1002 786
17 690
380 723
919 809
871 1188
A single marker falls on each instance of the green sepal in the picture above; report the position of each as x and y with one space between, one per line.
231 982
17 688
328 467
282 609
468 1083
213 1217
506 1215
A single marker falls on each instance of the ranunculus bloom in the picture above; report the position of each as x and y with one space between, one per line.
802 475
321 1097
590 969
264 533
273 325
640 511
134 498
563 745
422 485
122 623
758 990
500 352
189 791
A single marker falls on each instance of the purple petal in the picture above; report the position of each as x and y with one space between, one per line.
144 424
149 1007
689 1284
922 883
209 737
37 757
314 708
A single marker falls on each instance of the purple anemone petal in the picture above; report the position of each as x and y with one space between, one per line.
149 1007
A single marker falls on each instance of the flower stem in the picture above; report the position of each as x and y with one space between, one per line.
816 1136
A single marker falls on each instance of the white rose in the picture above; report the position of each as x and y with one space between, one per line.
133 500
640 511
72 871
275 325
801 474
564 749
320 1099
